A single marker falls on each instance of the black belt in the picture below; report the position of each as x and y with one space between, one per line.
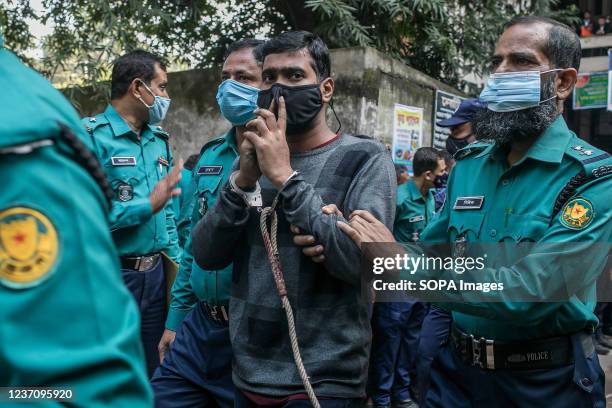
218 313
525 355
139 263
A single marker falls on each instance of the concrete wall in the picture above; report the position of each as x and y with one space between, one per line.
368 84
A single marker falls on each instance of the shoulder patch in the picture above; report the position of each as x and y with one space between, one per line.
159 131
471 149
28 247
595 162
210 143
577 213
91 123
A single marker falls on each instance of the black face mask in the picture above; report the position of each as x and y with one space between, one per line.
302 104
440 181
454 145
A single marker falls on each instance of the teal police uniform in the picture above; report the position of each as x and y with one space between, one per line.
413 212
133 167
68 322
559 192
182 208
197 368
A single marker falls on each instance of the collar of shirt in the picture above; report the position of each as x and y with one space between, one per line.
229 141
413 191
549 147
121 128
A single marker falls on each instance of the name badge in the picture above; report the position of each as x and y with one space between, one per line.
123 161
417 218
210 170
469 203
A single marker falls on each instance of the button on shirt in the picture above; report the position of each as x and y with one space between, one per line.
193 283
133 168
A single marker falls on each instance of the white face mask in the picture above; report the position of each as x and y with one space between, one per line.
513 91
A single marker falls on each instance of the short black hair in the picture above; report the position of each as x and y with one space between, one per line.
135 64
425 158
291 41
562 46
246 43
448 158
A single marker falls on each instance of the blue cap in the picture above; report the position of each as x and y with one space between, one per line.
464 113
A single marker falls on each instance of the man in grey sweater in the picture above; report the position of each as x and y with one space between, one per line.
294 154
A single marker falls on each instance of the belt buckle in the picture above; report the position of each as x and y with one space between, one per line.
476 352
224 313
213 312
146 263
483 355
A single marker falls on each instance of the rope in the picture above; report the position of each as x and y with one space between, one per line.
568 191
271 244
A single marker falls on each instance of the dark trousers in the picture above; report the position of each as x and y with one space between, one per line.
149 290
244 402
197 370
455 384
395 327
434 334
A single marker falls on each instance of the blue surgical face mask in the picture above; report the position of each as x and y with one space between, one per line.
237 101
513 91
159 108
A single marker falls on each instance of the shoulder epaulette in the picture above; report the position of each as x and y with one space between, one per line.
159 131
93 122
212 142
595 162
470 149
364 137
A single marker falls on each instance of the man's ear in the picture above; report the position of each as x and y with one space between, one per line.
327 89
428 175
566 80
136 88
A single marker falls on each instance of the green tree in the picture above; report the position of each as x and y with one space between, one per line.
444 38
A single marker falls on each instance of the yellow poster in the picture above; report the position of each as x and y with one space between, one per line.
407 133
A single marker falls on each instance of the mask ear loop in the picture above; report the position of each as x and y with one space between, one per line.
546 72
331 105
150 91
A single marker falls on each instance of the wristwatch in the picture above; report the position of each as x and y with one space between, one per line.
251 198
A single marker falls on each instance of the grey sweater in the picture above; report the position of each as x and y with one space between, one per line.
331 315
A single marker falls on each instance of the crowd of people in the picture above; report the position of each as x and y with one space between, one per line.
234 279
594 26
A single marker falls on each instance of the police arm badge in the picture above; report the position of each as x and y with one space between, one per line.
28 247
577 213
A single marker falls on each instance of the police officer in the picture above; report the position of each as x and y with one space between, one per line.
537 182
460 124
137 158
68 321
395 325
415 200
197 369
